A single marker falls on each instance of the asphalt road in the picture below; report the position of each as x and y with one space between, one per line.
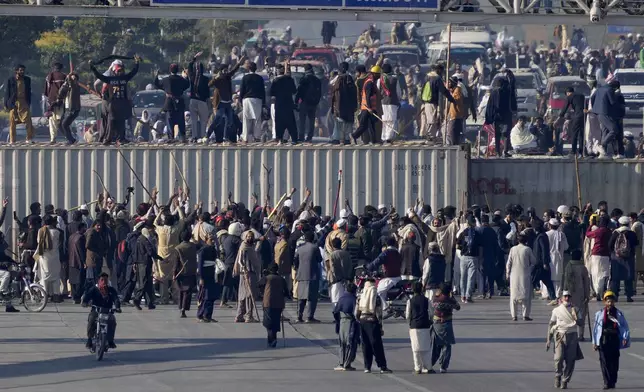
159 352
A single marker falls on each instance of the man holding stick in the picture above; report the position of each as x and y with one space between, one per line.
247 266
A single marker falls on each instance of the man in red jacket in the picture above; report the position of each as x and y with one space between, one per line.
600 254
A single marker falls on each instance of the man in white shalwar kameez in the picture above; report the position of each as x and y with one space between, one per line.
48 258
391 93
518 271
558 245
252 85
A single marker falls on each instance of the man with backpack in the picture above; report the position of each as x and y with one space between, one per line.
344 103
622 263
433 88
309 93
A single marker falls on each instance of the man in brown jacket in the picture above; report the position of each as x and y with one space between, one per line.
275 291
185 271
457 113
283 258
339 270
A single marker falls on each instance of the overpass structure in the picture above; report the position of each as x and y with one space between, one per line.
507 12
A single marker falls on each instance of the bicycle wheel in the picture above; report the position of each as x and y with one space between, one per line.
36 300
101 344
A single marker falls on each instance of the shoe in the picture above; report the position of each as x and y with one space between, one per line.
313 321
339 369
527 319
299 320
367 370
606 386
557 382
88 344
137 305
416 371
183 314
111 345
443 371
385 370
251 321
431 371
564 385
239 320
514 319
618 156
11 309
152 307
470 300
335 142
350 368
464 300
629 299
582 339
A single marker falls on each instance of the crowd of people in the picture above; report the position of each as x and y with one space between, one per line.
568 257
367 97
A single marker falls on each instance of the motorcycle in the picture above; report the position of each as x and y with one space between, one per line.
100 337
32 295
397 296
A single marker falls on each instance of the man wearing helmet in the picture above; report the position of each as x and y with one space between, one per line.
369 106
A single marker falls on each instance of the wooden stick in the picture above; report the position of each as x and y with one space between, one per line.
185 183
279 203
578 181
137 177
102 183
77 207
487 202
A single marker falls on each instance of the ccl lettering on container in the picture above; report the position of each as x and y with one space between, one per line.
411 4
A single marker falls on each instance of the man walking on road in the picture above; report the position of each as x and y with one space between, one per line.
563 329
518 271
307 266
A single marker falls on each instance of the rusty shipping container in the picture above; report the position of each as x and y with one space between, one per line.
64 177
548 183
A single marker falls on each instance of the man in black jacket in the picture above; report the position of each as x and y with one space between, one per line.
120 106
17 102
308 95
576 102
199 96
253 95
282 91
223 123
174 86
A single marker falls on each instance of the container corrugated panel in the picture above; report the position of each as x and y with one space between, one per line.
64 176
548 183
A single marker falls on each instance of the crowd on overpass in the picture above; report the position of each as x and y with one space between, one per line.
508 97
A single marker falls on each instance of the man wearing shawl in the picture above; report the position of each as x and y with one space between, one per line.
48 258
347 328
275 290
442 331
563 329
369 314
247 266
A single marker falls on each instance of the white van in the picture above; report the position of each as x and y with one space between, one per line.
463 54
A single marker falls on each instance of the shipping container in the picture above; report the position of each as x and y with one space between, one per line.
65 177
549 183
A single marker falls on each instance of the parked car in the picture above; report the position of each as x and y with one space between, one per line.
631 82
556 92
330 56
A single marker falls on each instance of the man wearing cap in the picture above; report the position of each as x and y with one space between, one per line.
558 245
368 107
610 334
622 244
563 329
391 262
174 86
433 89
120 107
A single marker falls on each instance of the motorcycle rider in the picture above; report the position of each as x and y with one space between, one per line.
102 296
391 262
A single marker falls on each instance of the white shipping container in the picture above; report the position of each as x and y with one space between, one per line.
64 176
549 183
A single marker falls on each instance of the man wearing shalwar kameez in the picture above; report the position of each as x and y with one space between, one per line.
208 287
558 245
275 290
391 93
347 328
185 271
417 313
518 270
563 329
247 267
48 258
442 331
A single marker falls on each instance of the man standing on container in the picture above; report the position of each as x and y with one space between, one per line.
576 102
606 106
222 100
53 83
17 102
282 91
391 93
199 95
432 90
174 86
343 105
253 95
309 93
368 107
